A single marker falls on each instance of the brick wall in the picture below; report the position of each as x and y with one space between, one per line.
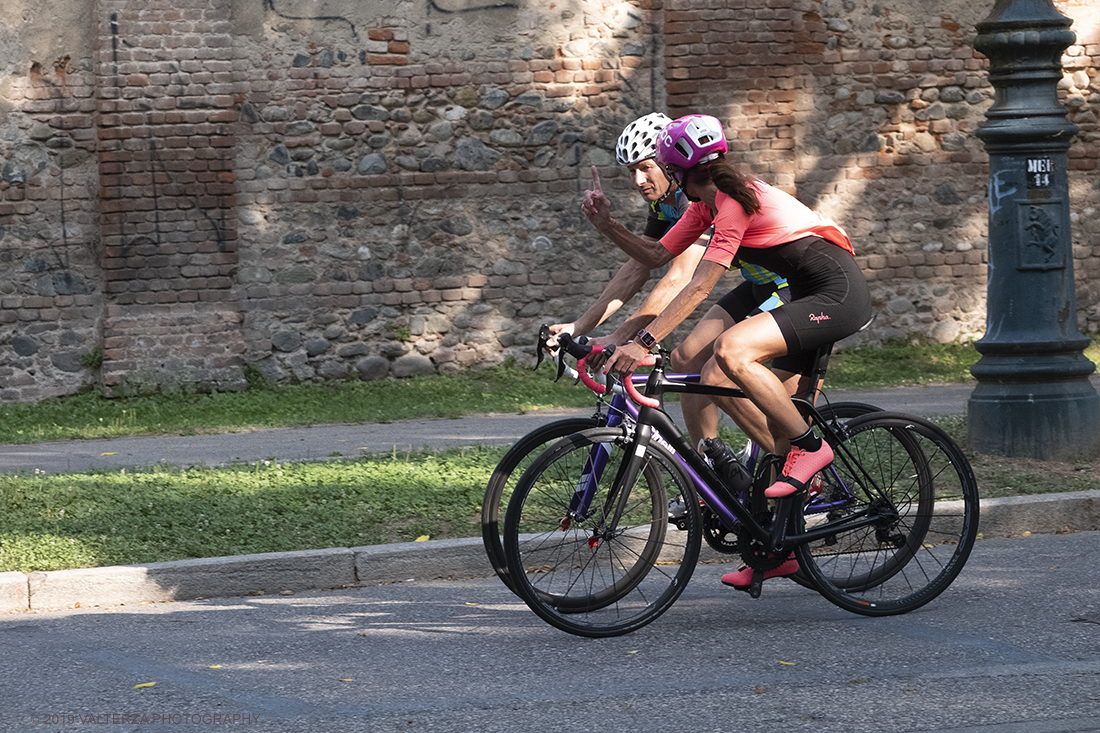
414 207
166 124
51 300
867 111
329 190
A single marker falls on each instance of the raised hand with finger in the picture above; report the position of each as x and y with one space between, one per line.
595 205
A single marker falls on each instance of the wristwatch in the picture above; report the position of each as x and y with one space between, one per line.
646 339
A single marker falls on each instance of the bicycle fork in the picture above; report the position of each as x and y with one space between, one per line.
618 496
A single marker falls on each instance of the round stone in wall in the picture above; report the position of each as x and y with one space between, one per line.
413 364
372 367
24 345
286 340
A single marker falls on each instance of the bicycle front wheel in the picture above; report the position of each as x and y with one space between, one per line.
590 555
507 474
909 476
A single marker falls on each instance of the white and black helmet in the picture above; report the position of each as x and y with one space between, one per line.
638 140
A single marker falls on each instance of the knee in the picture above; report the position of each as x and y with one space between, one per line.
684 361
730 355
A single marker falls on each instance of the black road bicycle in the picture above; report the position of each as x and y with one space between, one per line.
590 545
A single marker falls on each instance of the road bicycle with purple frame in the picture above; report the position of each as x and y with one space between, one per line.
589 543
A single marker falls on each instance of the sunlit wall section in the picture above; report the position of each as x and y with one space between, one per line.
1080 92
867 111
411 172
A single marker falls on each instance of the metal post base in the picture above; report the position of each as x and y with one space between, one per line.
1048 421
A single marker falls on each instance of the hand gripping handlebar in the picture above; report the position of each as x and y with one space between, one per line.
581 351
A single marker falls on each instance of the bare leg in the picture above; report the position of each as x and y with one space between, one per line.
747 415
739 353
700 414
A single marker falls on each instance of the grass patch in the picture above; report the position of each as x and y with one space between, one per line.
1000 476
57 521
507 388
899 362
160 513
912 361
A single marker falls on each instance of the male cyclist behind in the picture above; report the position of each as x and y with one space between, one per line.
637 145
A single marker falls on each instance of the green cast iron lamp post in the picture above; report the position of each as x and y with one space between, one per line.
1033 397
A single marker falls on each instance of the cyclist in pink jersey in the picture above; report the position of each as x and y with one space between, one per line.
762 290
760 225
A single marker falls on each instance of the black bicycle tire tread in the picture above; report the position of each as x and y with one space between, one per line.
494 489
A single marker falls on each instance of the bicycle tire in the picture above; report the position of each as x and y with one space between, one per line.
508 472
591 579
839 496
591 601
918 477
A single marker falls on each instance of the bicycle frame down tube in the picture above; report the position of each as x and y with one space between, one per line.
727 506
707 483
618 409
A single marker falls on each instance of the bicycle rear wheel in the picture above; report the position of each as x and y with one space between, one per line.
584 571
911 475
507 474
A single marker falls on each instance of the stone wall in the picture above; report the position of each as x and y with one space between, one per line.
868 110
319 189
409 181
51 283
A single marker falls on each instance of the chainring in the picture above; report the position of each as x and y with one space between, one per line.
752 550
717 536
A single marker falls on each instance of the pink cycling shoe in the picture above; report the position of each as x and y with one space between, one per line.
742 579
799 469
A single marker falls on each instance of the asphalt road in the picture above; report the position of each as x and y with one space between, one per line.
1012 647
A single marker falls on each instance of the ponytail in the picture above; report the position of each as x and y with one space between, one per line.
730 182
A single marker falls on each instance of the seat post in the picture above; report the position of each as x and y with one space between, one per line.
817 370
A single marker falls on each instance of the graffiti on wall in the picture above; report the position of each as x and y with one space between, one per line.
270 6
158 169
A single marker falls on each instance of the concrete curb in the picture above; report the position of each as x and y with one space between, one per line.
287 572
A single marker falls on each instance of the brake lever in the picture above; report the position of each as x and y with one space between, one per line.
544 336
609 351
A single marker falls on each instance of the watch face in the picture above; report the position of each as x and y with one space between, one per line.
645 338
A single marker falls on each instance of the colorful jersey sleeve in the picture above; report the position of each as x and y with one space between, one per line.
663 216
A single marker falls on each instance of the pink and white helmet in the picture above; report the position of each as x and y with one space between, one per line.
689 141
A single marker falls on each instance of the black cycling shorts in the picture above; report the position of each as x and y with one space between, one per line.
745 301
830 299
